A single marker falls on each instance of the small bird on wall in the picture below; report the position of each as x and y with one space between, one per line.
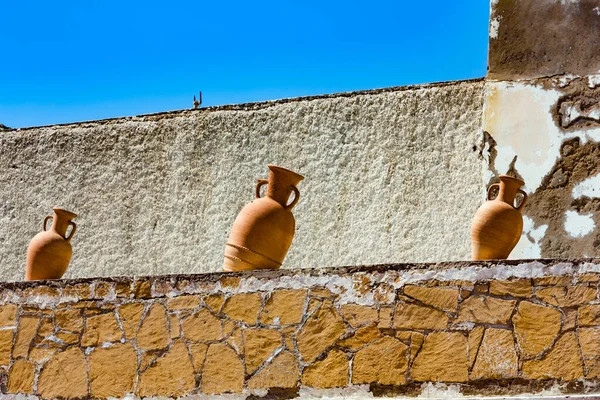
198 101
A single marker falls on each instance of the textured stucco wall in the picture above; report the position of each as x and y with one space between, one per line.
550 120
390 176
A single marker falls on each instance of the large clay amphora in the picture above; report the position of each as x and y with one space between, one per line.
498 224
263 231
50 251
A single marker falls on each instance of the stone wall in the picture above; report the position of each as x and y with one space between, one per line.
389 174
542 105
498 328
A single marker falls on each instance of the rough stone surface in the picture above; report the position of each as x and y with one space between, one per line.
345 340
131 316
562 362
6 345
223 371
8 315
383 361
536 327
486 310
443 357
330 372
284 307
69 320
359 315
362 336
412 316
259 344
474 341
100 329
26 331
198 353
497 357
65 375
183 302
445 299
243 307
202 326
283 372
567 296
112 371
515 288
172 375
589 315
20 378
154 331
165 165
589 341
320 331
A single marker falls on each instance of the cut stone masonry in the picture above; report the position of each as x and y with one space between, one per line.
486 328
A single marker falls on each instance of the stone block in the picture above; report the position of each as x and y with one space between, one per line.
284 307
243 307
64 376
330 372
536 327
320 331
172 375
112 371
384 362
443 358
202 326
223 371
441 298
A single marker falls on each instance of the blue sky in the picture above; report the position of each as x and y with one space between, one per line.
68 61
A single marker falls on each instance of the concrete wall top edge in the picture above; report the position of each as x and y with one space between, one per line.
548 264
252 106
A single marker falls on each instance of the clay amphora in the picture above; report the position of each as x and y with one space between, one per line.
50 251
263 231
498 224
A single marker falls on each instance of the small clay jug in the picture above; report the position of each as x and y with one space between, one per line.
50 251
498 224
263 231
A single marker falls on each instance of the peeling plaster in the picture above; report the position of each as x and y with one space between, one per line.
594 80
589 187
532 120
494 26
530 126
529 245
578 225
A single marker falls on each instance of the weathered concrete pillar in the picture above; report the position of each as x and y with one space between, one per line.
542 104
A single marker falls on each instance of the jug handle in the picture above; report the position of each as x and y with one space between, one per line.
296 198
46 221
524 199
73 231
260 183
489 193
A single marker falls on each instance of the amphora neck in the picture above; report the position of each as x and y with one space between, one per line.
281 181
61 221
508 189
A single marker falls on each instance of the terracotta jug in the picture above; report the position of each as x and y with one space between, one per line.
498 224
263 231
50 251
